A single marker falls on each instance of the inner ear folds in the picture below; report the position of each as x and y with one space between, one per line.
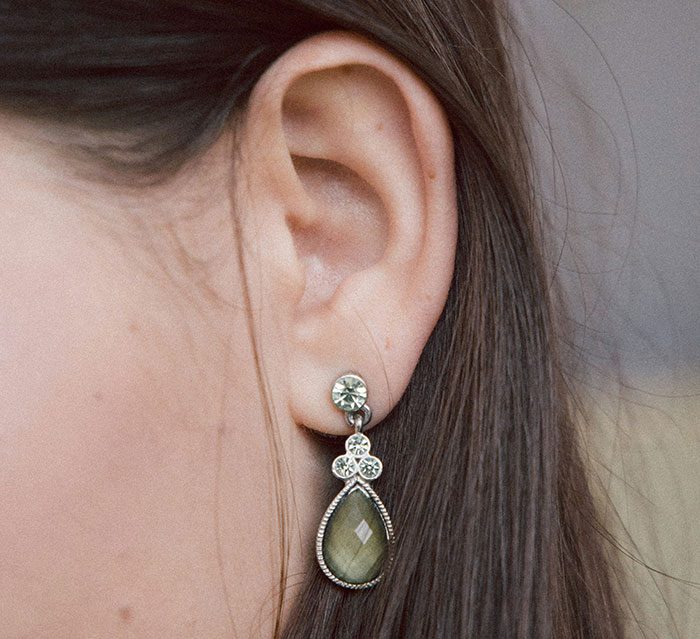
350 133
350 205
348 130
348 234
351 101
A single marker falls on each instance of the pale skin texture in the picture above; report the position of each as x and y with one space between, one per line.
135 459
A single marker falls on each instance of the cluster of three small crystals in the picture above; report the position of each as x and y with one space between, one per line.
354 540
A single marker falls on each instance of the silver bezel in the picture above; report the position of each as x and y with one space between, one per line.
355 483
362 396
352 461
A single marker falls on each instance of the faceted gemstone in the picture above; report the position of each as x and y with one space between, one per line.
357 445
344 467
349 393
355 540
370 467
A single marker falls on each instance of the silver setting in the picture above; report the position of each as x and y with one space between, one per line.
345 467
359 419
357 468
357 445
370 467
356 483
349 393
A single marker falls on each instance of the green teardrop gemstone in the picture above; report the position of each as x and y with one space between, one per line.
355 541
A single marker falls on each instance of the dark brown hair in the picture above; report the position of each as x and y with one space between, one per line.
498 535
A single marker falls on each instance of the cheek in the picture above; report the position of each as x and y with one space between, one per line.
94 483
68 467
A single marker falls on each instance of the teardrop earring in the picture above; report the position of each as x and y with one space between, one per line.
355 539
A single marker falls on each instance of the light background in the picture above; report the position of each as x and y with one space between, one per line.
612 93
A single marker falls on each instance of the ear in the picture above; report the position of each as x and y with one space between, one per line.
346 203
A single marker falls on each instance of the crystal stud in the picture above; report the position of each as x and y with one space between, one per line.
357 445
370 467
344 467
349 393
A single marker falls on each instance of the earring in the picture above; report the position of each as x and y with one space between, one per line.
355 539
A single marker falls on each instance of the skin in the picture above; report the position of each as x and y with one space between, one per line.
136 464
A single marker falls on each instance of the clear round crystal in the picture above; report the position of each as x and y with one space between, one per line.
357 445
344 467
349 393
370 467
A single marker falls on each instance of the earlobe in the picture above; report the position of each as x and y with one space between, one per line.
354 181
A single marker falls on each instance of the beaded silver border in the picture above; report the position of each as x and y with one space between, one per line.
355 483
